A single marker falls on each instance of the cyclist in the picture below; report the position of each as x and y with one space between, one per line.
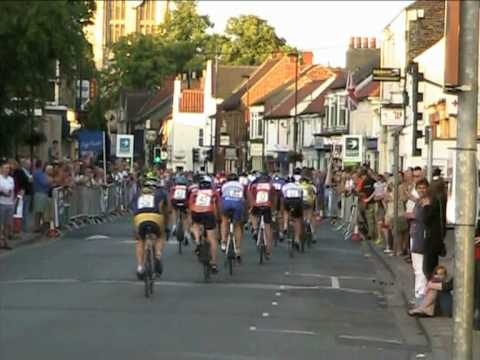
292 204
203 205
297 175
232 199
178 201
243 179
278 182
149 215
261 201
309 194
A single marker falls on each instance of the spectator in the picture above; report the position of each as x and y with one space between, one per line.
379 192
419 229
366 202
41 187
23 187
7 204
54 152
399 244
437 285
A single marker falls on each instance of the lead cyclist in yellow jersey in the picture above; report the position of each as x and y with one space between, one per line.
309 195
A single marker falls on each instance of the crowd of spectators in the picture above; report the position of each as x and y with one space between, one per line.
420 220
32 182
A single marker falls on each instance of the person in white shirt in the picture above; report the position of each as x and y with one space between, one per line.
7 204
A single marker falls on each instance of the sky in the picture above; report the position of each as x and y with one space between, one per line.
322 26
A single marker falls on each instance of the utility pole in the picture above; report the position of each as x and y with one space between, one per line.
247 123
295 120
429 141
465 182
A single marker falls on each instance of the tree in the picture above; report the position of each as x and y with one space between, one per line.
187 32
34 35
252 40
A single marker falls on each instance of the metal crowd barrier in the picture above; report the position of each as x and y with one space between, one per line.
74 206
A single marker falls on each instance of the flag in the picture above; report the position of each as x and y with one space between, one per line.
351 100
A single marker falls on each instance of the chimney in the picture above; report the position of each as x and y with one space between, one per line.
308 58
373 43
351 44
365 43
358 42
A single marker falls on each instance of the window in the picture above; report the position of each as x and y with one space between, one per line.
200 137
327 115
260 127
334 115
342 119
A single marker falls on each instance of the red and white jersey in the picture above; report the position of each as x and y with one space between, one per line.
178 193
261 194
202 200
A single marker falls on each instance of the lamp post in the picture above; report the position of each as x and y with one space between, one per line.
247 122
295 119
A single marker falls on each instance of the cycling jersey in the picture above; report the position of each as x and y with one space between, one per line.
292 191
278 183
147 203
233 191
202 200
308 193
262 194
243 180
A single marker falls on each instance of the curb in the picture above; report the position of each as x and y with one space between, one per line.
63 232
389 268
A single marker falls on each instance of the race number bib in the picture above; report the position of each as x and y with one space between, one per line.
293 193
179 194
235 193
203 200
262 197
146 201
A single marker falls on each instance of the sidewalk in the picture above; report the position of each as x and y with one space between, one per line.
439 329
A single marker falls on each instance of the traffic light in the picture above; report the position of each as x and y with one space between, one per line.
417 116
196 155
157 155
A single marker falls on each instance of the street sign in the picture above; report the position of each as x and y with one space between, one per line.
224 140
386 74
124 146
352 149
391 117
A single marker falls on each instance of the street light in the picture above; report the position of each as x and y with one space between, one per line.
295 120
247 120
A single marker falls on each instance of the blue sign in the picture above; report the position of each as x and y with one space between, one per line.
90 142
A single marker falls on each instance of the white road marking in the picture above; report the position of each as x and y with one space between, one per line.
335 282
168 243
322 276
286 331
278 294
253 328
98 237
265 314
255 286
274 303
371 338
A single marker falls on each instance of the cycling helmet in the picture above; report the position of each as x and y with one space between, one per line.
232 177
263 177
205 182
290 179
149 186
181 180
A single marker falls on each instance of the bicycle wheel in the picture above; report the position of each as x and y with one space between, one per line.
180 234
261 246
302 240
206 272
309 234
149 266
230 254
291 248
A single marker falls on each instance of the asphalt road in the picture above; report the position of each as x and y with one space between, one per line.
77 298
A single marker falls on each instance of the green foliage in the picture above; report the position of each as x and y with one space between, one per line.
252 40
95 115
35 34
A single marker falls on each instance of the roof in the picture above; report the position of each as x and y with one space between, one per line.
134 101
229 78
340 81
371 89
317 106
156 100
233 101
191 101
285 107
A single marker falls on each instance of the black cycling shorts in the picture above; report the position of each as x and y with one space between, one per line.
179 204
265 211
206 219
148 227
294 206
